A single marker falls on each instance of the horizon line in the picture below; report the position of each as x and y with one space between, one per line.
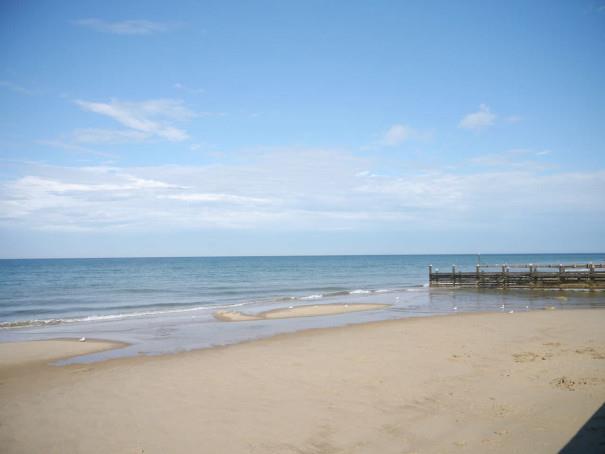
297 255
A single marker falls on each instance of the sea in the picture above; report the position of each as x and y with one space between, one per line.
164 305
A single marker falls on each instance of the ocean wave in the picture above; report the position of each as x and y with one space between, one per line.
106 317
344 293
338 293
351 292
167 308
284 298
312 297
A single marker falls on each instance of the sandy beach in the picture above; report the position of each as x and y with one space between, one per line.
522 382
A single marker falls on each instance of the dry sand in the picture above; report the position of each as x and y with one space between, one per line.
312 310
464 383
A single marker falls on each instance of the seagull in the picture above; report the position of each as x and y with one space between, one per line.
290 307
455 308
511 312
82 339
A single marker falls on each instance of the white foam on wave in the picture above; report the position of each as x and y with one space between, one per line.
359 292
96 318
311 297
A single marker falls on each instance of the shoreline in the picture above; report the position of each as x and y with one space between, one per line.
75 347
471 382
65 348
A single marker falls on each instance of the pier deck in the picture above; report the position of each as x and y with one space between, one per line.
561 276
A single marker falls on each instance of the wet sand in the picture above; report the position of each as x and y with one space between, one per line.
23 354
313 310
522 382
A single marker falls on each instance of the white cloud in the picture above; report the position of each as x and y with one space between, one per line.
400 133
209 197
194 91
478 120
127 183
519 157
294 190
397 134
73 147
153 118
108 136
125 27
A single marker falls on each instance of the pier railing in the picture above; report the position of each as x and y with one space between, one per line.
584 275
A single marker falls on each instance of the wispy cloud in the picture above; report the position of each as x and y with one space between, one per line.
74 148
127 183
125 27
518 158
213 197
187 89
108 136
272 191
398 134
479 120
153 118
15 87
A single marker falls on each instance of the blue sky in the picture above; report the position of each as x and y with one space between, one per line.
291 127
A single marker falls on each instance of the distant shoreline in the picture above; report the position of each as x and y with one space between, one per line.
473 254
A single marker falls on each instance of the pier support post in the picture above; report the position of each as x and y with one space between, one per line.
478 272
454 274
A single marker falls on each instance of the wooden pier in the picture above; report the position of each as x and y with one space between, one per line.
574 276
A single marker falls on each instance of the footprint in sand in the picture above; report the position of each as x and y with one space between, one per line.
502 410
526 357
595 354
570 384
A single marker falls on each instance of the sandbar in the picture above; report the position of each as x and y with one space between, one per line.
297 311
